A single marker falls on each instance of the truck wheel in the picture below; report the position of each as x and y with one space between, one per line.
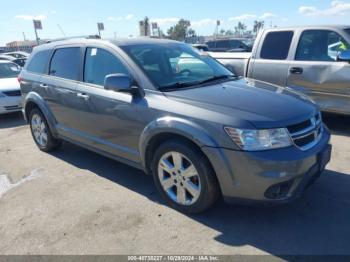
184 177
41 132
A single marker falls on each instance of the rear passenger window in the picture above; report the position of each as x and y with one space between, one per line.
99 63
223 44
39 62
276 45
65 63
211 44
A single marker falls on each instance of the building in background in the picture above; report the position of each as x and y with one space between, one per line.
23 45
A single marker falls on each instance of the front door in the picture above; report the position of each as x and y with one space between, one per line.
316 71
108 119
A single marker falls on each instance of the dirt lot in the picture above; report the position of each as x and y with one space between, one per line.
77 202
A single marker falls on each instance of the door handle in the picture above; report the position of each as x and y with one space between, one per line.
84 96
43 85
296 70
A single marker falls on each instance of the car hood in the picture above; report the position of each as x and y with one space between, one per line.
262 104
9 84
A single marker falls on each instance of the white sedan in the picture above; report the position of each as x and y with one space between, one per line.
10 92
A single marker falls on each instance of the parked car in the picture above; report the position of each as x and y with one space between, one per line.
310 59
18 54
10 93
230 45
19 61
201 47
201 132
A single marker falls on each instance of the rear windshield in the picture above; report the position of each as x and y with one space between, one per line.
9 70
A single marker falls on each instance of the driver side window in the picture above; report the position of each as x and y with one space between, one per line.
99 63
320 45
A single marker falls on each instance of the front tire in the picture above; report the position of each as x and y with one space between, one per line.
184 177
41 132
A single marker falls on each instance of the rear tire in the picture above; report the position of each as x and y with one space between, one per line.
184 177
41 132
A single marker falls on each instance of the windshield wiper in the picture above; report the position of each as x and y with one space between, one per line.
215 78
177 85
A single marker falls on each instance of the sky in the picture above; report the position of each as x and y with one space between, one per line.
80 17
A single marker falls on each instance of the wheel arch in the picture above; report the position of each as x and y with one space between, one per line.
167 128
34 100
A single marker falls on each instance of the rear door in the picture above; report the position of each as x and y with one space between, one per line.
316 71
60 87
272 59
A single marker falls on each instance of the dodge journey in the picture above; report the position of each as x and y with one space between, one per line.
179 115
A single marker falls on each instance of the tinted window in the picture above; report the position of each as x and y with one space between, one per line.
99 63
65 63
347 31
39 62
223 44
320 45
9 70
211 44
276 45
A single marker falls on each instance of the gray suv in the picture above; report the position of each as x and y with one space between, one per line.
178 114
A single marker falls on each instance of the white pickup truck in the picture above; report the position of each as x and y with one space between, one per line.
312 59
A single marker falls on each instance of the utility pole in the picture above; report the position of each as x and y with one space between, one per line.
59 27
24 36
100 27
37 26
217 28
36 37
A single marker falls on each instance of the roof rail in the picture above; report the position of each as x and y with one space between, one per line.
74 37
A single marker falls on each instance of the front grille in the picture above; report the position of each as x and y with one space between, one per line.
300 126
307 133
12 93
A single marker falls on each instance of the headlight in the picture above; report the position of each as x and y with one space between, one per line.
2 95
256 140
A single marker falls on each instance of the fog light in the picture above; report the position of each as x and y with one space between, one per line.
278 191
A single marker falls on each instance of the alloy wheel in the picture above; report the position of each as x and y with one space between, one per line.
39 130
179 178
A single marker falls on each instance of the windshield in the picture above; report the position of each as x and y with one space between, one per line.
9 70
176 65
248 42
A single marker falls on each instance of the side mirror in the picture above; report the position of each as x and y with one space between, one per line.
344 56
120 83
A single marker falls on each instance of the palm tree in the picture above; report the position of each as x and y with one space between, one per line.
240 28
147 26
258 25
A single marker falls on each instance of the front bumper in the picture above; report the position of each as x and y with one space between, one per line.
274 176
10 104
